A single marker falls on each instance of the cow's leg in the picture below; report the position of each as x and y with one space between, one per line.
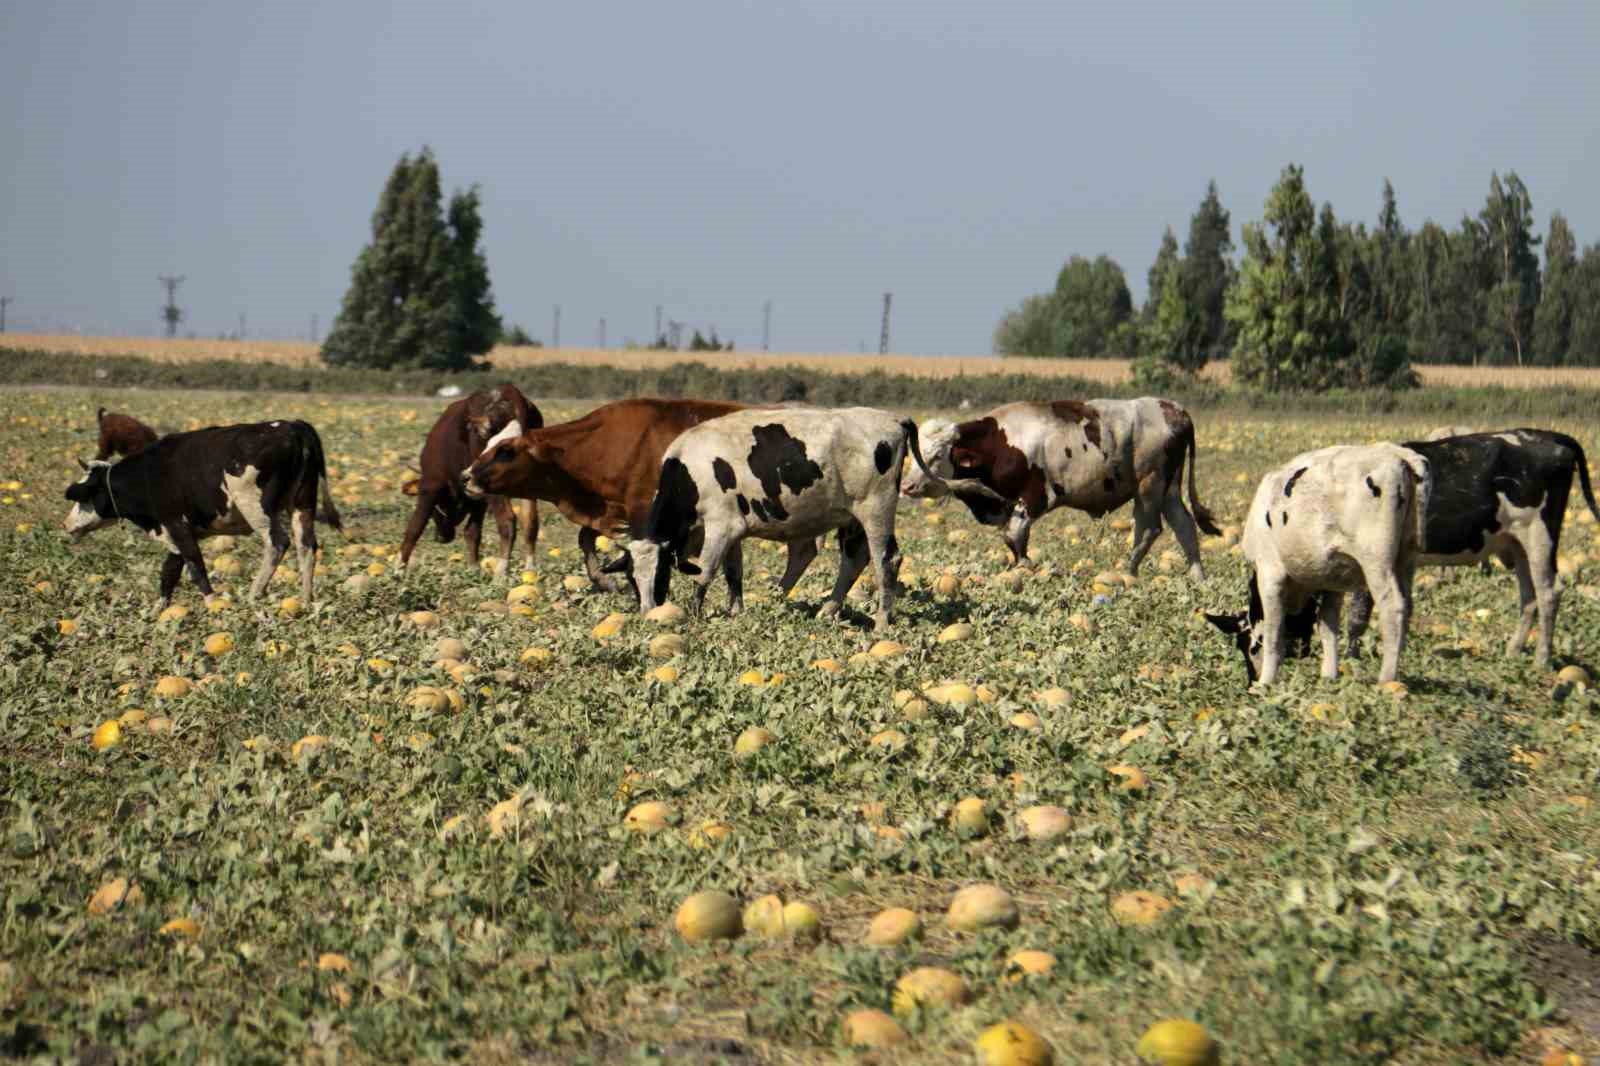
1360 617
1018 528
591 562
505 523
415 527
801 554
181 538
171 574
1146 528
1272 594
305 545
1328 630
530 532
474 529
274 542
886 563
713 548
1542 569
1183 528
733 570
853 555
1527 604
1391 595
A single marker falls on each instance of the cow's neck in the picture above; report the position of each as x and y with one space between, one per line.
126 503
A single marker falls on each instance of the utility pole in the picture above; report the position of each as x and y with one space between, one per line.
766 326
241 325
883 338
555 330
171 314
602 333
5 302
655 338
313 328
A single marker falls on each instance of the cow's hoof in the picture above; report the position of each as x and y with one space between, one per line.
829 609
1197 573
1024 563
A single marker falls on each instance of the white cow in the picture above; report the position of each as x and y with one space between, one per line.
1325 523
785 475
1020 461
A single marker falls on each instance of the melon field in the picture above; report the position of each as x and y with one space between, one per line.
456 818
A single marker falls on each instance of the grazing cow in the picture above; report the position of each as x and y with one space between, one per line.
121 435
1502 495
453 443
1023 460
1449 431
1326 523
785 475
600 470
225 479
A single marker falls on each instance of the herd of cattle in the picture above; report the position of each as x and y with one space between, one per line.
688 480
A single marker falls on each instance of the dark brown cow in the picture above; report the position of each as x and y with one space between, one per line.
122 435
453 443
600 470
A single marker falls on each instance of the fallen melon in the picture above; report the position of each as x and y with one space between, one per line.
176 613
872 1029
886 649
893 927
955 631
187 928
666 645
1012 1044
665 614
107 735
651 816
980 907
1053 698
1044 822
929 986
109 896
1140 908
1028 962
970 816
752 740
801 921
665 674
308 746
219 644
1131 778
450 648
609 626
763 917
290 606
708 916
171 687
1177 1042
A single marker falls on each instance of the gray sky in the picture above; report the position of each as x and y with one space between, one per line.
709 156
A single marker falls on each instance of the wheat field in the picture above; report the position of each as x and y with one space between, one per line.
1108 371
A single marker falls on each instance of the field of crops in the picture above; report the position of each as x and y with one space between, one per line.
324 843
1105 371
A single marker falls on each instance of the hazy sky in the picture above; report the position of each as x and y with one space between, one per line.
709 156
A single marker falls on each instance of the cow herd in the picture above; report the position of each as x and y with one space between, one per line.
689 480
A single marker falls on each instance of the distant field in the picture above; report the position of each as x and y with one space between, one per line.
1110 371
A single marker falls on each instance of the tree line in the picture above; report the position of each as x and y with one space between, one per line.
1315 302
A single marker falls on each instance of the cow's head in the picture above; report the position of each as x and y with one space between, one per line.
942 465
648 566
1249 632
490 412
504 459
93 504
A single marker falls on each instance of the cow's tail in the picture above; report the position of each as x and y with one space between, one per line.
1422 492
326 513
1202 517
910 428
1583 472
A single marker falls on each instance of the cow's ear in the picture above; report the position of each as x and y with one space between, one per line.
1231 624
546 453
84 465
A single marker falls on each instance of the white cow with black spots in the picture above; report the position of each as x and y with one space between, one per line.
787 475
1325 523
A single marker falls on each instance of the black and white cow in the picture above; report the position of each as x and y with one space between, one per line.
1325 523
1501 495
225 479
1023 460
786 475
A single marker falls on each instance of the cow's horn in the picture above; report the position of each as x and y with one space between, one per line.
972 486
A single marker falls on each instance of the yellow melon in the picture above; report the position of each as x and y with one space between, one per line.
929 986
666 675
652 816
308 746
187 928
980 907
1044 822
219 644
872 1029
955 631
666 614
666 645
1053 698
171 687
107 735
752 740
1140 908
1130 778
1028 962
893 927
609 626
708 916
886 649
290 606
1012 1044
970 816
1177 1042
764 917
176 613
801 921
109 896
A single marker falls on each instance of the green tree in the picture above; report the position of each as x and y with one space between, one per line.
1552 321
1583 341
1507 221
419 292
1389 266
1167 259
1092 302
1208 274
1028 329
1279 307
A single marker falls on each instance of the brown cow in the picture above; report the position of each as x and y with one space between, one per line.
601 470
454 441
122 435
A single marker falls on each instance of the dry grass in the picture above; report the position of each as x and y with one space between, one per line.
1109 371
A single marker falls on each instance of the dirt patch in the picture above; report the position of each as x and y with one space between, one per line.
1570 973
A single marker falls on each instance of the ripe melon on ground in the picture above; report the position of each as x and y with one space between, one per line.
1178 1042
929 986
1012 1044
893 927
872 1029
981 907
708 915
